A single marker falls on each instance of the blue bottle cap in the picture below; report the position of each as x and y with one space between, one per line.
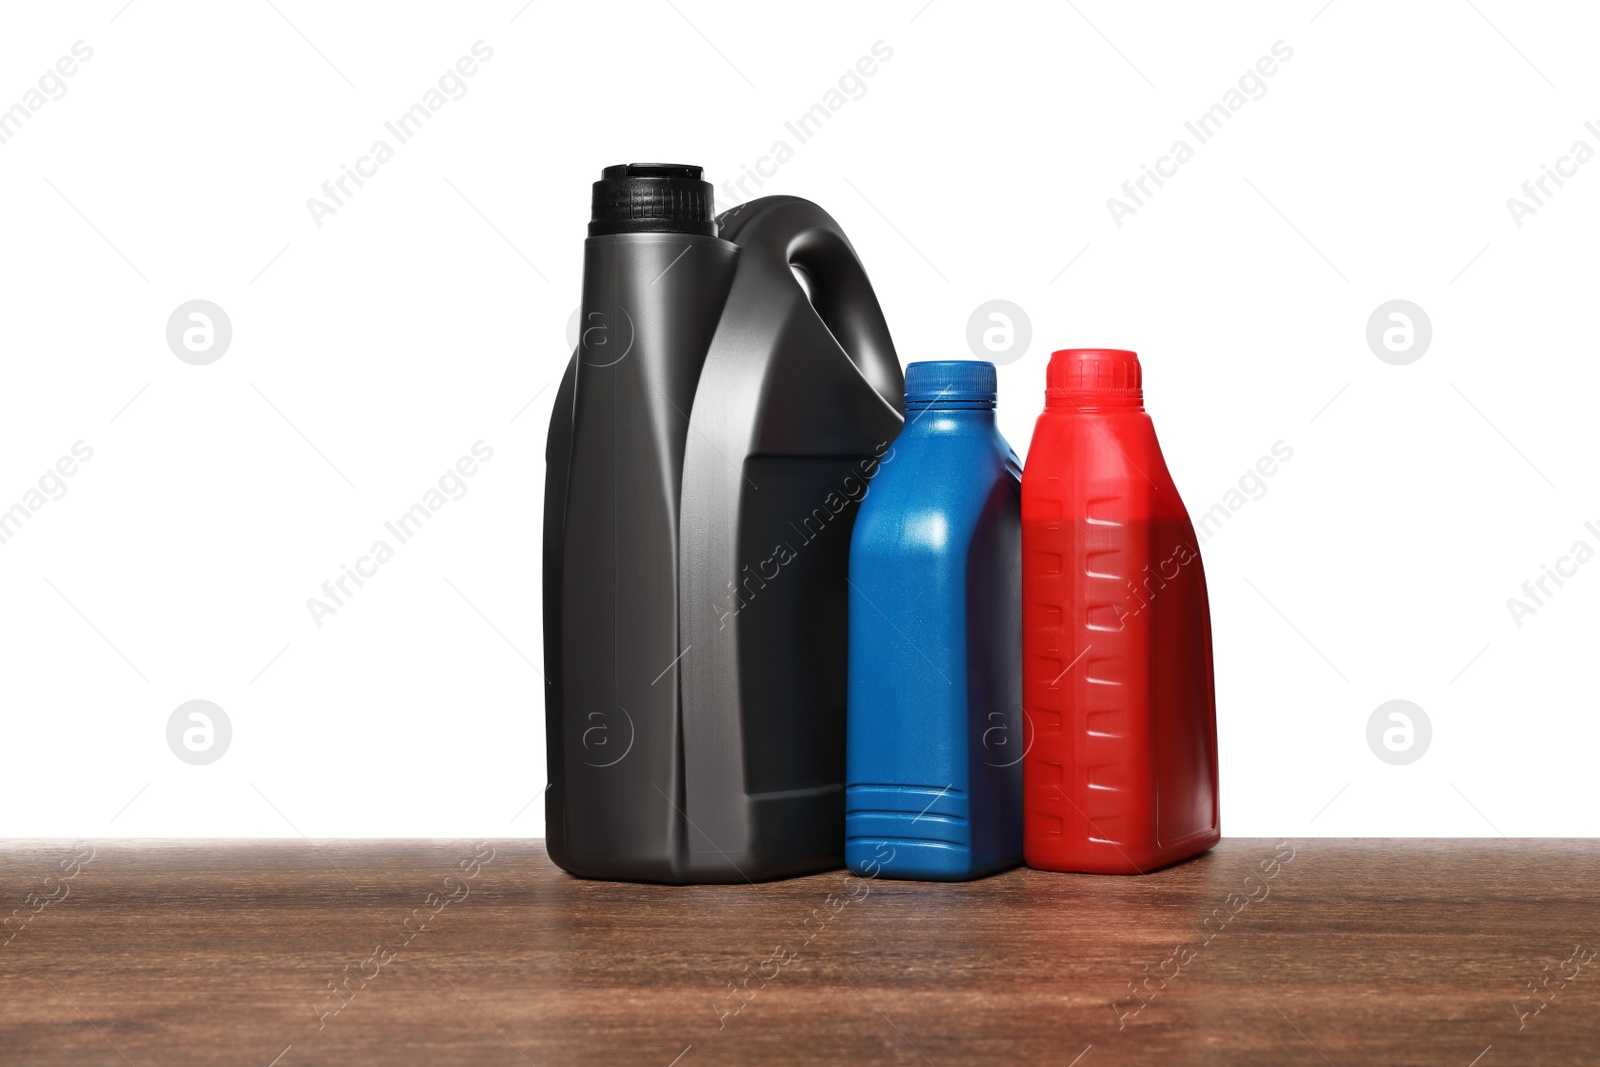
940 382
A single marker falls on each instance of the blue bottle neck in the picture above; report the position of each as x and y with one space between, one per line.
947 416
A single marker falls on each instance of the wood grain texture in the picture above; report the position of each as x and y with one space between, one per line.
1350 952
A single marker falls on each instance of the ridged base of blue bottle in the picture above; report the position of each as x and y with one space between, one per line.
923 833
923 861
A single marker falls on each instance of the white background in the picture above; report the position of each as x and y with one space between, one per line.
368 354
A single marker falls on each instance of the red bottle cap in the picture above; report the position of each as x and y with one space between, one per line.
1094 377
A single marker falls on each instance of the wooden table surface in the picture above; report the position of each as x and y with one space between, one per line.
1318 951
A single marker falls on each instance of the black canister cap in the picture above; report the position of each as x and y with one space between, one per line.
652 198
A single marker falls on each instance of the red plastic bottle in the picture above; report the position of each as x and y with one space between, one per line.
1121 776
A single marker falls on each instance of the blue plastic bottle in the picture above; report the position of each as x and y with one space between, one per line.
933 772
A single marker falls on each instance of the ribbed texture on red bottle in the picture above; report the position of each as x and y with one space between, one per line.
1094 376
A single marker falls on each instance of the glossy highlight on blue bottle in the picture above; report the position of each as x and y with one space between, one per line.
933 777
